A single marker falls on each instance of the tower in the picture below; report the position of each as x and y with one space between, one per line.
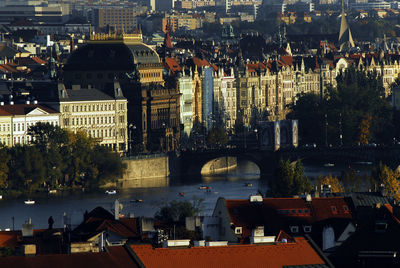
345 38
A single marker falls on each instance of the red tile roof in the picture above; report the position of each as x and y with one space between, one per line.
23 109
275 211
10 238
200 62
173 65
278 255
390 209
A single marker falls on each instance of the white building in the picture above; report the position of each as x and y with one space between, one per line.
185 84
225 96
24 116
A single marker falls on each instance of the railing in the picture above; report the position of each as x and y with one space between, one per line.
143 156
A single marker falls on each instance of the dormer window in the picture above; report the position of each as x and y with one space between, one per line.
307 228
238 230
334 210
346 209
294 229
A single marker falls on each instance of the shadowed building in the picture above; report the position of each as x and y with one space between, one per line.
153 107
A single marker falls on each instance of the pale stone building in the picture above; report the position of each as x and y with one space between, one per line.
102 116
15 120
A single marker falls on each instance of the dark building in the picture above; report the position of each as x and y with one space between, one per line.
153 107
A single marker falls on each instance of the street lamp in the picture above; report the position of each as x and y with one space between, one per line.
256 131
132 128
340 129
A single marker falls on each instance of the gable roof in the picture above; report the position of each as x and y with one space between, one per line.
24 109
276 211
277 255
99 220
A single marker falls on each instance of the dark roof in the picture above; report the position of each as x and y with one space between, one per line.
376 241
368 199
116 257
110 57
99 220
6 51
23 109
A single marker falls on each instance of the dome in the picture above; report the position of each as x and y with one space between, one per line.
110 56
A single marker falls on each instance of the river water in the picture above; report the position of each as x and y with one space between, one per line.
230 186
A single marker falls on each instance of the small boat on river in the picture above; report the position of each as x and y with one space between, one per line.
248 184
54 191
205 187
182 194
111 191
29 202
136 201
329 165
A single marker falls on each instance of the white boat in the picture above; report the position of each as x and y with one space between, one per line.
111 191
54 191
29 202
329 165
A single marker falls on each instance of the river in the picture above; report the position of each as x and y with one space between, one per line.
230 186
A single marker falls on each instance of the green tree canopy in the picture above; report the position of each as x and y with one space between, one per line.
177 211
356 109
289 180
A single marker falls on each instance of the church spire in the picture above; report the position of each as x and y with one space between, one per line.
345 38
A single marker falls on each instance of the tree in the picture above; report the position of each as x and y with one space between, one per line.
331 180
365 129
177 211
356 95
4 170
389 179
289 180
217 136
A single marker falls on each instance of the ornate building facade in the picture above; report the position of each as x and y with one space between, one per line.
153 106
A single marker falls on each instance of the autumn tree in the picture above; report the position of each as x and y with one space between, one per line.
4 161
390 181
331 180
365 132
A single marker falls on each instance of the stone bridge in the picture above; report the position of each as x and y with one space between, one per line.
191 163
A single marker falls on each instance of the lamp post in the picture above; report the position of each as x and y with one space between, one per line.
132 128
340 130
326 130
256 131
164 138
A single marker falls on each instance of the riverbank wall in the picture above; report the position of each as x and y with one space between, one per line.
145 171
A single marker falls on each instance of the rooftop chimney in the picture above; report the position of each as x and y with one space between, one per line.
176 243
27 228
255 198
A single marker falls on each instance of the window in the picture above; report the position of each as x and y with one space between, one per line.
334 210
294 229
346 209
238 230
293 211
307 228
306 211
300 211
